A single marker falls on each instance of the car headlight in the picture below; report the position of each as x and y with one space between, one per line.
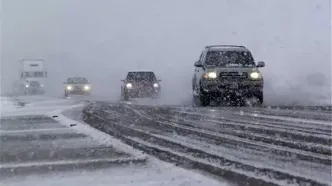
27 86
69 87
86 87
155 85
129 85
210 75
255 75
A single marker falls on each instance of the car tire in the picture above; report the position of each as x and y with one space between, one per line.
125 97
260 97
156 96
204 98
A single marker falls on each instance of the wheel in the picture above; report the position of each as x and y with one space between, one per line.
156 96
125 97
260 97
204 98
200 98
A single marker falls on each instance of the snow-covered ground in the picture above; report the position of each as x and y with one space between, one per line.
153 172
6 104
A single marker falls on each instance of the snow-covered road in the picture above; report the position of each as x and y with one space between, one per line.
41 146
262 146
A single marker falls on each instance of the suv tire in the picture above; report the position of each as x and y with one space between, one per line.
260 97
204 98
125 97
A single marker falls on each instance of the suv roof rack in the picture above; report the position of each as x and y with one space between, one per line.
210 46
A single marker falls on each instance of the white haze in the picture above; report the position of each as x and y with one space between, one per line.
103 39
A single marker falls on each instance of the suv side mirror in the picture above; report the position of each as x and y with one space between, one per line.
260 64
198 64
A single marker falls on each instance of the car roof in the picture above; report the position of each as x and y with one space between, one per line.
77 77
140 71
226 48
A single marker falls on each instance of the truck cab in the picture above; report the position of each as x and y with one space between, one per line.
32 76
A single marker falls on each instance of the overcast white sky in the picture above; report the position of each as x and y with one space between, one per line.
102 39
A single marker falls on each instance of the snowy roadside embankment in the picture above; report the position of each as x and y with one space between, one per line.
7 105
38 148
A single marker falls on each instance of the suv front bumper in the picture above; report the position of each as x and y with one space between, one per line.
139 93
235 87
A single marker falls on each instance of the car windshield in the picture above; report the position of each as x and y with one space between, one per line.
77 80
141 76
230 59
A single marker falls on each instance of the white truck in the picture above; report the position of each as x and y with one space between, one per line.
32 77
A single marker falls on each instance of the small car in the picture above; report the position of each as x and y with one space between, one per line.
227 72
140 84
77 86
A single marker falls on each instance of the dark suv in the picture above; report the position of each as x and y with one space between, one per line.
227 72
140 84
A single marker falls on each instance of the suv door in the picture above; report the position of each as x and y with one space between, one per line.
123 84
199 71
194 79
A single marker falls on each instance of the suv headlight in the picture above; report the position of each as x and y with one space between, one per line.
255 75
27 86
86 87
155 85
69 87
129 85
210 75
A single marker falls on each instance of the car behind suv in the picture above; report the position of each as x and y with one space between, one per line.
77 86
227 72
140 84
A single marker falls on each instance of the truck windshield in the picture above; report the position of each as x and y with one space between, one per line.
33 74
230 59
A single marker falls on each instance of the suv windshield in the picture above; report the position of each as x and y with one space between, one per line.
77 80
230 59
141 76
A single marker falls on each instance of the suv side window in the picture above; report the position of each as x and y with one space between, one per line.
200 57
203 56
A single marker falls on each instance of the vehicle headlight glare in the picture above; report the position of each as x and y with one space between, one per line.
155 85
69 87
86 87
210 75
129 85
27 86
255 75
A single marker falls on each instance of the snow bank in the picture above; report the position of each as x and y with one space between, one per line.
34 105
154 174
7 105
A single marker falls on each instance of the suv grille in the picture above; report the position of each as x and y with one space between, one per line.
34 84
234 75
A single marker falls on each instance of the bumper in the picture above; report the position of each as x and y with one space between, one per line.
78 92
34 90
232 87
141 93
